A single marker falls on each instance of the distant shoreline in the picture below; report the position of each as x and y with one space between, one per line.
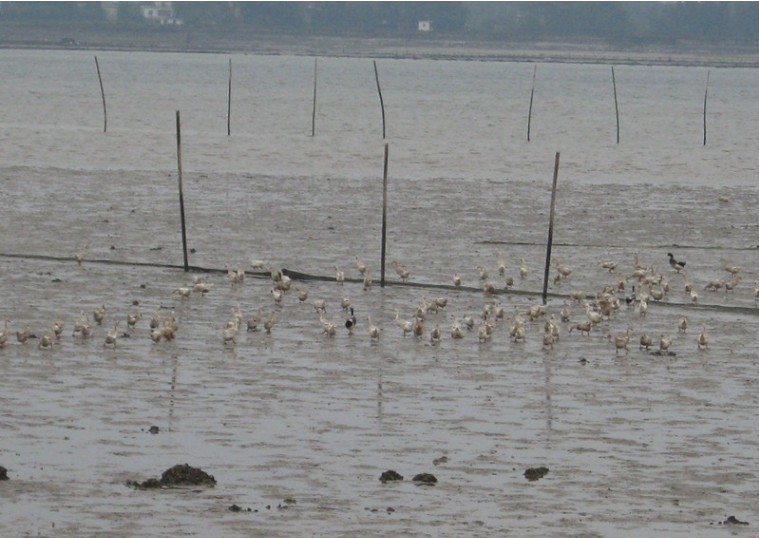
102 36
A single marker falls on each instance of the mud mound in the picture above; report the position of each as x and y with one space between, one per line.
425 478
535 473
390 476
179 475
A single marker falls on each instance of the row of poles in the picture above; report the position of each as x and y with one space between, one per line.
382 104
549 242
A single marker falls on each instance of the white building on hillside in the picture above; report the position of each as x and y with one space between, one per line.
163 12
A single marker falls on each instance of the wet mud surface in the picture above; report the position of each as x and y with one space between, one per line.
297 426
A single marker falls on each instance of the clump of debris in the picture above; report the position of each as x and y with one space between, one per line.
425 478
535 473
179 475
390 476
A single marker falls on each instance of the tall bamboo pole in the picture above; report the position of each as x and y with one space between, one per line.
384 219
229 101
550 229
706 92
313 111
181 195
382 103
532 94
102 94
616 104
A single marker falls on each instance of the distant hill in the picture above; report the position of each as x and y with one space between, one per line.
136 34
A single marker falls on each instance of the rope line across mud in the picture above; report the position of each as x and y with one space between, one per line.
619 247
298 275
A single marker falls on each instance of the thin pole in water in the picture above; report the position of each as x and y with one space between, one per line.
102 94
706 92
229 101
384 219
550 229
382 103
181 196
616 104
532 94
313 111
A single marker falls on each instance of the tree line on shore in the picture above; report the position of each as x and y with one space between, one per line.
624 22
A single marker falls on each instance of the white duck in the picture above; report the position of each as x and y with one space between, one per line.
403 273
5 333
703 338
329 327
435 333
269 323
374 331
361 266
46 341
621 342
456 331
182 291
645 341
301 294
254 320
229 334
405 325
79 256
563 270
202 288
112 335
133 318
582 326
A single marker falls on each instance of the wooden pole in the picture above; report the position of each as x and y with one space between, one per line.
382 103
616 104
181 196
532 94
313 112
706 92
102 94
550 229
384 219
229 101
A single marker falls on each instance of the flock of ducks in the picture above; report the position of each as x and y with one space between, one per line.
428 320
598 309
161 328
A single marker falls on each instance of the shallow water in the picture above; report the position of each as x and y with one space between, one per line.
636 443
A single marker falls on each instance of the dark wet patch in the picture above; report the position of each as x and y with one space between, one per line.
390 476
535 473
662 353
236 508
425 478
287 503
179 475
3 473
441 459
732 520
154 430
